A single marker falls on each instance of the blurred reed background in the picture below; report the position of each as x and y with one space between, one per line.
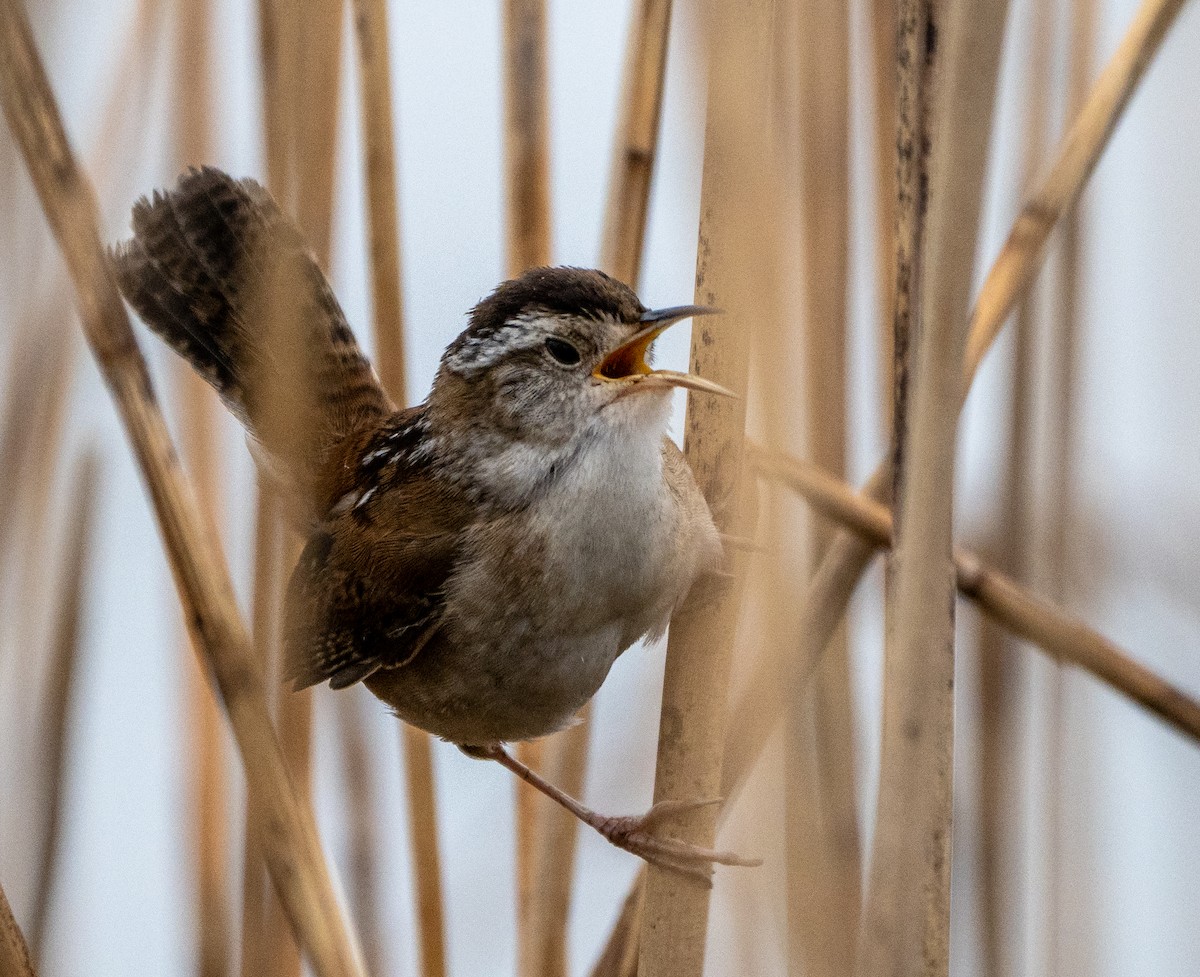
876 193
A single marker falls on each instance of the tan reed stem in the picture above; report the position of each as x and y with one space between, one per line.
735 271
884 70
823 850
636 145
14 954
61 672
382 207
1050 628
362 813
425 850
906 912
288 832
383 221
209 791
266 597
263 952
527 135
1061 495
311 74
527 245
997 676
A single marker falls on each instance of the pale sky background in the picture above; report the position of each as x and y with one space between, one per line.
1129 836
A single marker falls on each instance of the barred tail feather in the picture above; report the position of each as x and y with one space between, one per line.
218 272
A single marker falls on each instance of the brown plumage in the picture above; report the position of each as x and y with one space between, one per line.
480 560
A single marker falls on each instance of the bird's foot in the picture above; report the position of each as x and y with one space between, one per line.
638 834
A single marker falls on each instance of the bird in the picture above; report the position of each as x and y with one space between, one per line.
478 561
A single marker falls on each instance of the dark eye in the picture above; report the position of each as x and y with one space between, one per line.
561 350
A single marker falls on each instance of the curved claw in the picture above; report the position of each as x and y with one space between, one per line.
636 836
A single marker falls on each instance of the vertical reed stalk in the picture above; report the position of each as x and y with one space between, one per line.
636 147
383 222
14 954
426 851
736 272
527 187
1061 496
362 812
263 952
64 659
255 951
997 662
210 828
907 911
823 863
313 32
884 72
287 829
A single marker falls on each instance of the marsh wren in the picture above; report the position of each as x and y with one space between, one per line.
478 561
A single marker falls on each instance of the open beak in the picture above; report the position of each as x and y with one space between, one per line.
627 363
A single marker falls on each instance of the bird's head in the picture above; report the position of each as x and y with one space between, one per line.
559 352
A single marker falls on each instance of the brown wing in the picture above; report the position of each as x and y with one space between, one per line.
367 592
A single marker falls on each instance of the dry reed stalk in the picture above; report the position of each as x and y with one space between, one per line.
824 603
28 375
293 723
45 426
14 954
636 147
906 912
362 838
261 949
564 763
823 851
210 825
1056 632
277 62
527 135
315 88
527 224
260 912
383 223
1019 259
266 597
425 850
884 69
310 52
1061 494
735 271
997 665
287 830
383 210
914 84
997 674
61 671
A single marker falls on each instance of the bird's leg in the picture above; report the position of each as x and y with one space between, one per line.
635 834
